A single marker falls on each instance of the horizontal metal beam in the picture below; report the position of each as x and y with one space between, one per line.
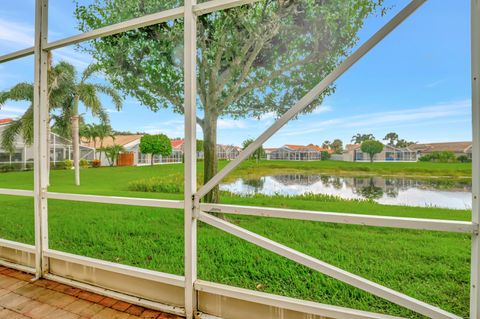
343 218
329 270
303 306
117 200
312 95
120 27
17 246
16 192
23 268
216 5
156 276
16 55
117 295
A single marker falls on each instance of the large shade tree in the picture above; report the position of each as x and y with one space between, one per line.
255 59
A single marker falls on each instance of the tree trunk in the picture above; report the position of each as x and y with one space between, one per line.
210 155
76 142
151 159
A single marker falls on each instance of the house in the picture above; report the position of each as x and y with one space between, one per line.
227 152
353 153
458 148
131 145
292 152
60 150
268 152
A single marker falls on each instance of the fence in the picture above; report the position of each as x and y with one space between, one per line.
186 295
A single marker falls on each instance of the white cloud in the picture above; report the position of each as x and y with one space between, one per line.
231 124
79 60
392 118
434 83
322 109
12 109
16 33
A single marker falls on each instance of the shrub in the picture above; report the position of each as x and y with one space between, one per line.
325 155
96 163
84 163
15 167
57 165
7 168
439 157
68 164
464 159
170 184
425 158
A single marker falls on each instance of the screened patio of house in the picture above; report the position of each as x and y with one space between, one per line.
188 295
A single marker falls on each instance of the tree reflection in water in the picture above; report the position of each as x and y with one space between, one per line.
450 193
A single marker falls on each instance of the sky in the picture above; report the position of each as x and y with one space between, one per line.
416 82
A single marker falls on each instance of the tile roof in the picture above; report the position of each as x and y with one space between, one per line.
457 147
177 143
5 121
109 141
309 147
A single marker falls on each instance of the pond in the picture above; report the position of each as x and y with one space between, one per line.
426 192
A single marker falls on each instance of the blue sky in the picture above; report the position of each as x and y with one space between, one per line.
416 82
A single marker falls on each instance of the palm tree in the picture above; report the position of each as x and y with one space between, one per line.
104 130
90 133
66 92
86 93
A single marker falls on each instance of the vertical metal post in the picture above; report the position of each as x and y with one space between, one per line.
190 93
54 150
475 271
41 156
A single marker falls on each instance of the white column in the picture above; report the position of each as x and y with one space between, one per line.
475 47
41 155
190 222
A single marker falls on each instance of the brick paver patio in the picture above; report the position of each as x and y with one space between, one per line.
45 299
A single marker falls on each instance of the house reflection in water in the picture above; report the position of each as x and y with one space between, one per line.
448 193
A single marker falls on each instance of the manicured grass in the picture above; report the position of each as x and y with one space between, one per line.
431 266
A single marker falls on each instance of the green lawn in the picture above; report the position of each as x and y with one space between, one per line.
431 266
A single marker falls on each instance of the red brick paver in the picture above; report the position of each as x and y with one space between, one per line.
45 299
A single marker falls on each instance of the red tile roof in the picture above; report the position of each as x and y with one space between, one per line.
5 121
124 140
177 143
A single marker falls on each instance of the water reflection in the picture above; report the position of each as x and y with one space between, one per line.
448 193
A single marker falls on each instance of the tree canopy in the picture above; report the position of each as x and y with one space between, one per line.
259 152
372 147
394 140
254 59
360 138
155 145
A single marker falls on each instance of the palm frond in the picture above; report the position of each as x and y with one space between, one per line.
20 92
87 94
9 135
88 72
111 92
27 126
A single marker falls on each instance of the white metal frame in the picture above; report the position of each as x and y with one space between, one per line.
194 210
